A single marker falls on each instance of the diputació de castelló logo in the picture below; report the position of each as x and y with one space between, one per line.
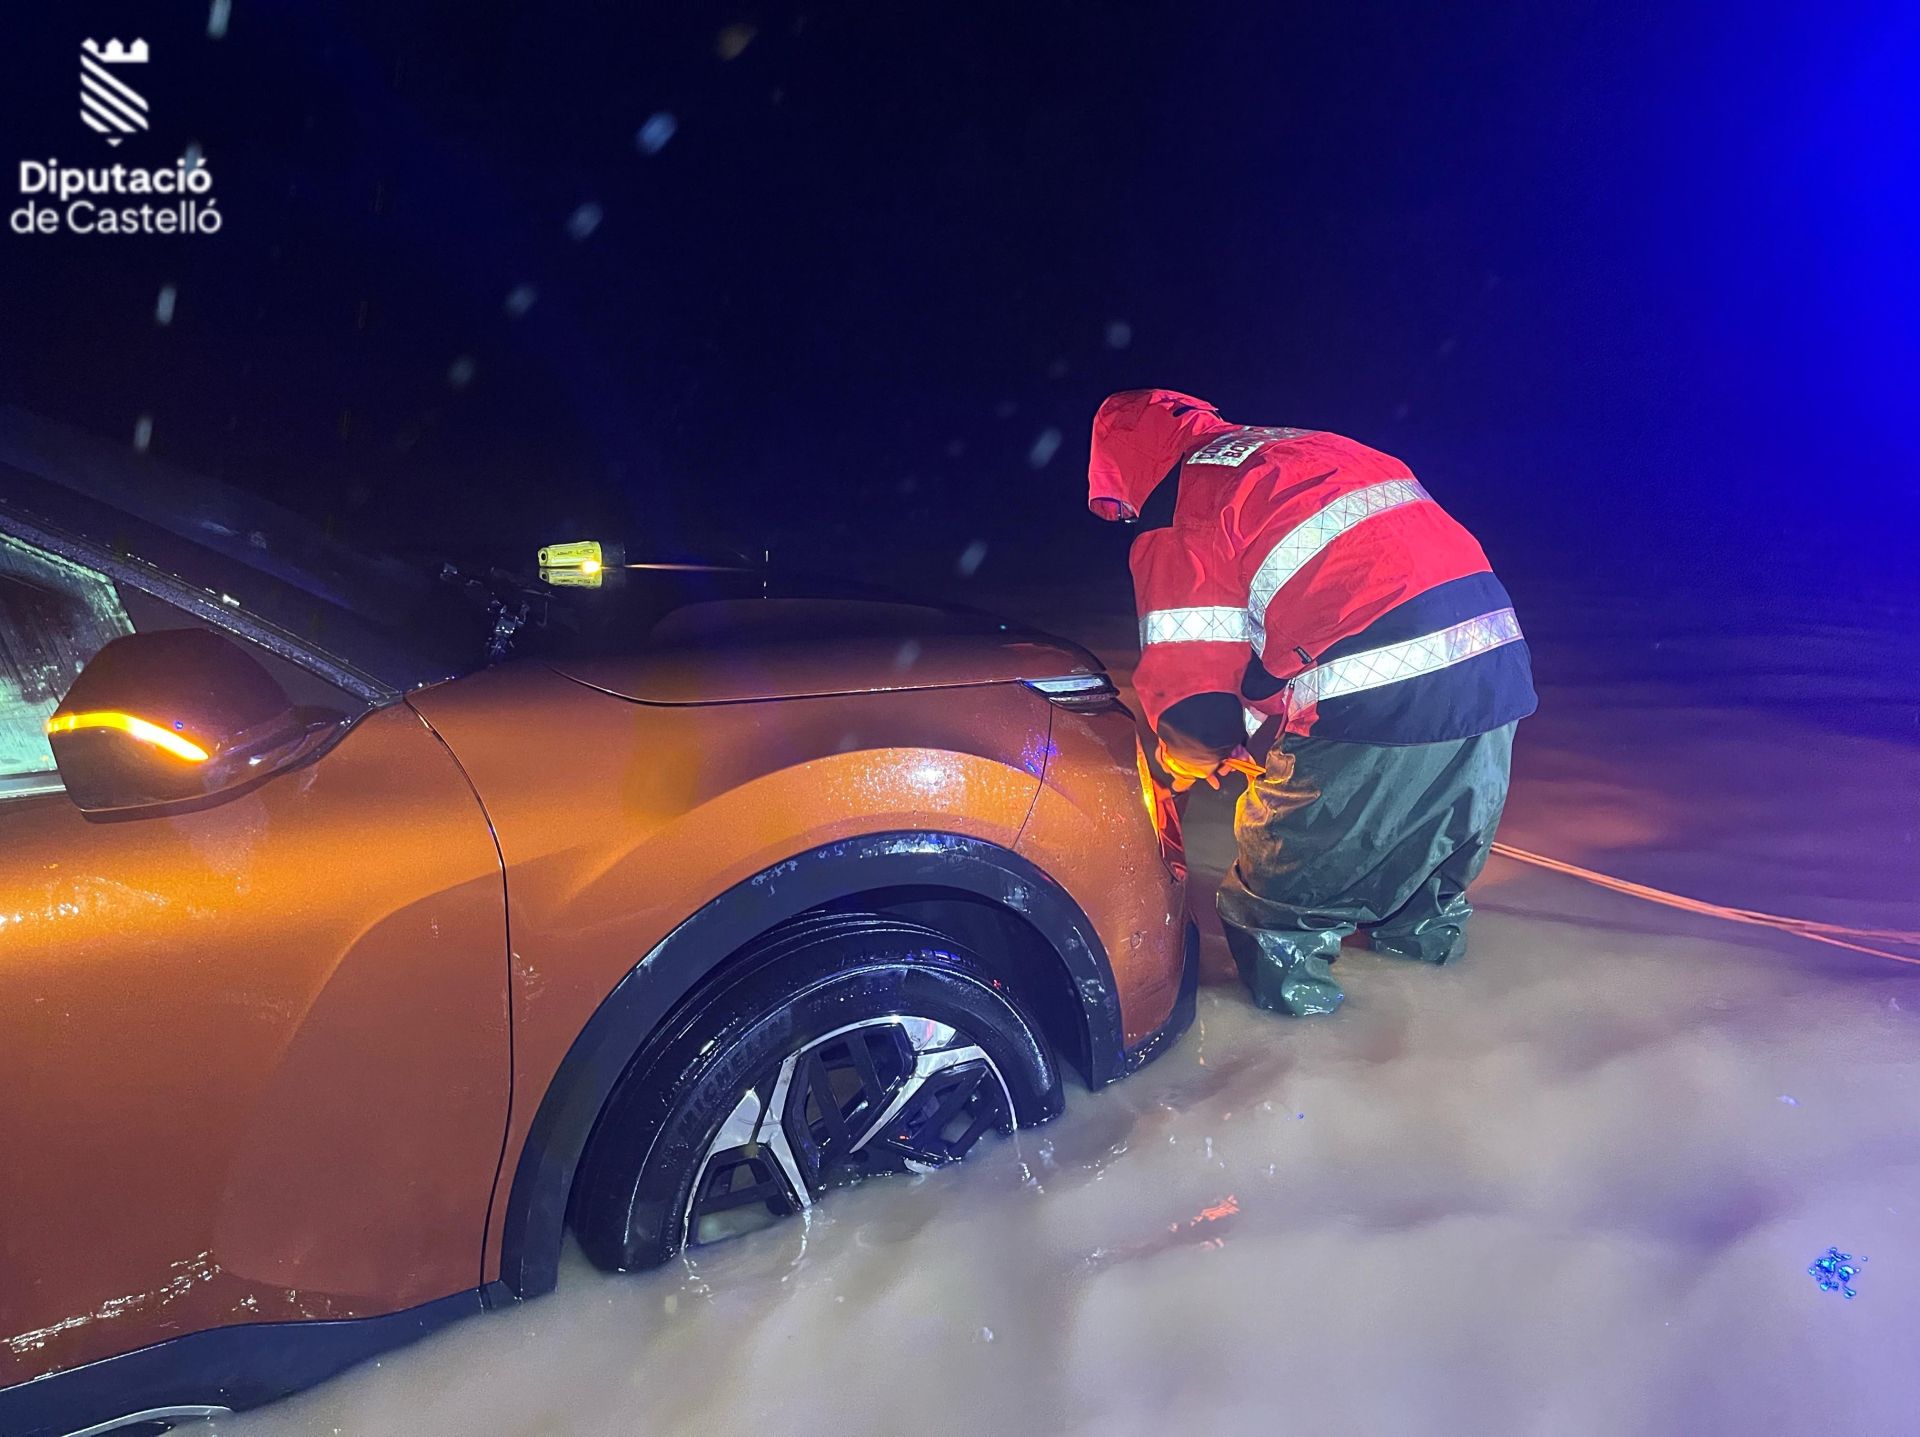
108 102
174 198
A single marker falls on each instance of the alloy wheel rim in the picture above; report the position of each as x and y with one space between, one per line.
892 1094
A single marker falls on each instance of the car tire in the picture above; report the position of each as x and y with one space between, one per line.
719 1125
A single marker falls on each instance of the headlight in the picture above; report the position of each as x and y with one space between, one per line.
1084 693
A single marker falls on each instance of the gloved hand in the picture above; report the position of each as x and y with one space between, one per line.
1185 772
1243 763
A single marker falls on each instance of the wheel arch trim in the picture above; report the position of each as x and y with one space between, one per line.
531 1237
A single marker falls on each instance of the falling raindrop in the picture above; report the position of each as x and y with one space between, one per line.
193 156
1058 369
460 372
217 18
1005 409
520 299
733 40
585 220
1119 334
1044 448
653 135
971 558
143 432
163 306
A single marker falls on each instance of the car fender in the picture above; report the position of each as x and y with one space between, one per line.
620 1026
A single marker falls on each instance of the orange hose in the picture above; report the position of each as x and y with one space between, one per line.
1829 933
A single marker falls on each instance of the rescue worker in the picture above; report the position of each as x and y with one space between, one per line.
1312 618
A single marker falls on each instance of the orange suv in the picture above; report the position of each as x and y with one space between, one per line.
363 931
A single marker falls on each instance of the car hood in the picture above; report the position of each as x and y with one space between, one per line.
730 651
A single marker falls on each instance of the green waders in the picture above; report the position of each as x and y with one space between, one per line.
1336 836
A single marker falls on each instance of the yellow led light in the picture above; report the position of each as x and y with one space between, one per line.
135 728
577 555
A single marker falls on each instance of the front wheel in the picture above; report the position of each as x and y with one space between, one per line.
854 1045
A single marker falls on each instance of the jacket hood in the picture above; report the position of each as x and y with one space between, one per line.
1138 437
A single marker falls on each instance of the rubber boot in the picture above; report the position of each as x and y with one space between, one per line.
1438 938
1287 972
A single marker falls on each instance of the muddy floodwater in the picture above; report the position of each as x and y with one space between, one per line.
1571 1185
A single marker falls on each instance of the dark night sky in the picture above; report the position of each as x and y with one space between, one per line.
1632 283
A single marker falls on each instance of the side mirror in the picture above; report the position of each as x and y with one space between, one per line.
174 716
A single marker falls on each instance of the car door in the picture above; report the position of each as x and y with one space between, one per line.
253 1058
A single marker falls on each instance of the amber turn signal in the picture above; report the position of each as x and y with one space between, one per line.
136 728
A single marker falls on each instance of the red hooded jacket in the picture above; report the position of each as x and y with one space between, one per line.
1307 576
